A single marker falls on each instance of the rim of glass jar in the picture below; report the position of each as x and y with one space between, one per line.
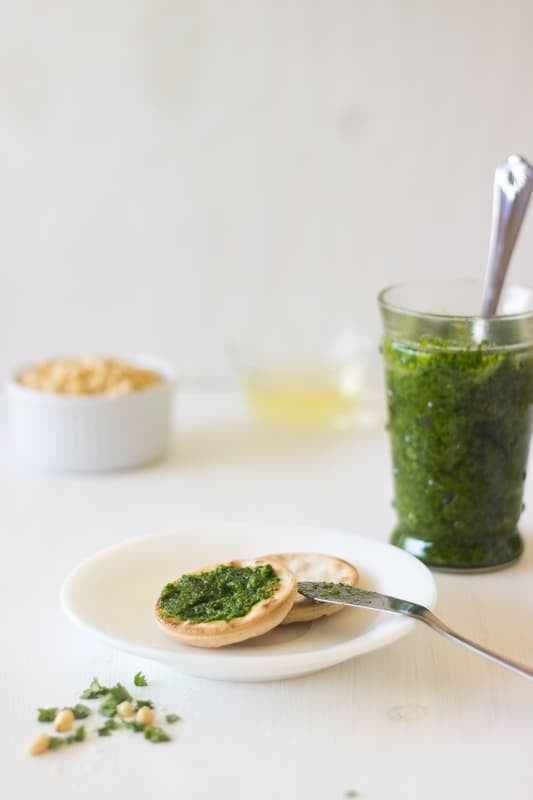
455 331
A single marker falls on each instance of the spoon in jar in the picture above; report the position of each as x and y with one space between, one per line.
513 182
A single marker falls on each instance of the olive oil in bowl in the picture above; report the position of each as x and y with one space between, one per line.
305 395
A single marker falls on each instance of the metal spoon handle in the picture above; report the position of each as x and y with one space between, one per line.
513 182
425 615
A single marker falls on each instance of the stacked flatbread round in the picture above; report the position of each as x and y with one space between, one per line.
315 567
283 605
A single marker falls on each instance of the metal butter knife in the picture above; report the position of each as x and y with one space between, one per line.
344 595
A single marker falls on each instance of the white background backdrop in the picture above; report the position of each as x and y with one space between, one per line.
169 168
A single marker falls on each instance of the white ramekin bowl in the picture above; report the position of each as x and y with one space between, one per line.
92 433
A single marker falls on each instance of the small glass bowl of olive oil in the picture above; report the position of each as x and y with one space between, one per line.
294 388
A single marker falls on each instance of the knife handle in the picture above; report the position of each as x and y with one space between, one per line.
425 615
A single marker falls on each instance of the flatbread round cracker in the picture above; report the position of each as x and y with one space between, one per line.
262 617
315 567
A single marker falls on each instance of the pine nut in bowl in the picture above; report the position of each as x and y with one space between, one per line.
90 413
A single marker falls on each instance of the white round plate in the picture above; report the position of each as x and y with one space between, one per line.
112 596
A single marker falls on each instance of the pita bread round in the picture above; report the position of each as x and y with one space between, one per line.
315 567
262 617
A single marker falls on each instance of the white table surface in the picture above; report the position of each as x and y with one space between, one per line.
418 719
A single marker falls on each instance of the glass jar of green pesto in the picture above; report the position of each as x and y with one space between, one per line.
460 393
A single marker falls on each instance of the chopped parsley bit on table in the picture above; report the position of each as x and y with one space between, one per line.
133 725
351 793
171 718
80 711
46 714
140 679
140 703
77 736
58 741
95 690
55 741
155 735
108 726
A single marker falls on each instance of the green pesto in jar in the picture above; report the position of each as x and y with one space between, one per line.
460 426
223 593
